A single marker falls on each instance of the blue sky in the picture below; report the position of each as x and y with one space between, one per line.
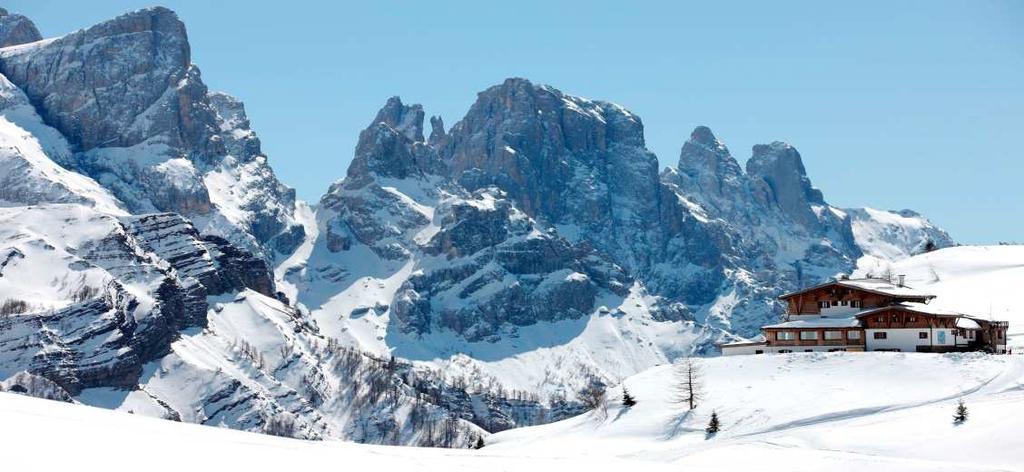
892 104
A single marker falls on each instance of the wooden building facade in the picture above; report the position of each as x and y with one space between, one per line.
871 315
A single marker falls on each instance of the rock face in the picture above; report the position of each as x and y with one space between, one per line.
130 284
581 167
16 29
138 119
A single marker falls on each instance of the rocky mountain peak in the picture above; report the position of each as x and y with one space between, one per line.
16 29
110 77
438 136
533 141
703 135
407 120
393 146
706 168
779 178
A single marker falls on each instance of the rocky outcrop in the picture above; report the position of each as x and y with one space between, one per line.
16 29
36 386
138 118
364 207
151 92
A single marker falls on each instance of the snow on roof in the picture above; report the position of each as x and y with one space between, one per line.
880 286
819 322
884 286
912 306
967 323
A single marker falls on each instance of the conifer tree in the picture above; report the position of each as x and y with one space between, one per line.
713 425
479 443
627 399
961 412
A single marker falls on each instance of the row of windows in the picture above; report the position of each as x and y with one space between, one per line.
813 335
832 303
895 318
787 351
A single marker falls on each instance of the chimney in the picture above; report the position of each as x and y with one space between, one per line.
900 279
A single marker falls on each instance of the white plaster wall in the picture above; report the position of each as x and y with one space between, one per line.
907 340
741 350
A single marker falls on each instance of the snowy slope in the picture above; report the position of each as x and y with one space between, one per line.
886 236
982 281
800 412
843 411
85 436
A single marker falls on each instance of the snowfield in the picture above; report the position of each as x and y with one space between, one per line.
835 411
825 411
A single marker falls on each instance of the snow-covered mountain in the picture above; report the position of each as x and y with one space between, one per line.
132 112
150 260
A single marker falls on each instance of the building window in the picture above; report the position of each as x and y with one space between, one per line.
785 351
880 319
835 303
855 303
759 351
881 335
808 350
808 335
784 336
833 335
823 304
842 302
837 349
853 335
922 335
911 318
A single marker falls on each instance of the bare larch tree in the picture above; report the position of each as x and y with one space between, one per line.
688 382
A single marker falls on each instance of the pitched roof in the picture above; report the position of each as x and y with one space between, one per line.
879 286
911 306
819 322
967 323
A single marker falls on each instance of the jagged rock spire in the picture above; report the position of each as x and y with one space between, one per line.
706 168
393 146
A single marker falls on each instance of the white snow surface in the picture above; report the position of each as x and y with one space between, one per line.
796 412
807 411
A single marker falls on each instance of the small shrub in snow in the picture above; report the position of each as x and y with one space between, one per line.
627 399
713 425
961 412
